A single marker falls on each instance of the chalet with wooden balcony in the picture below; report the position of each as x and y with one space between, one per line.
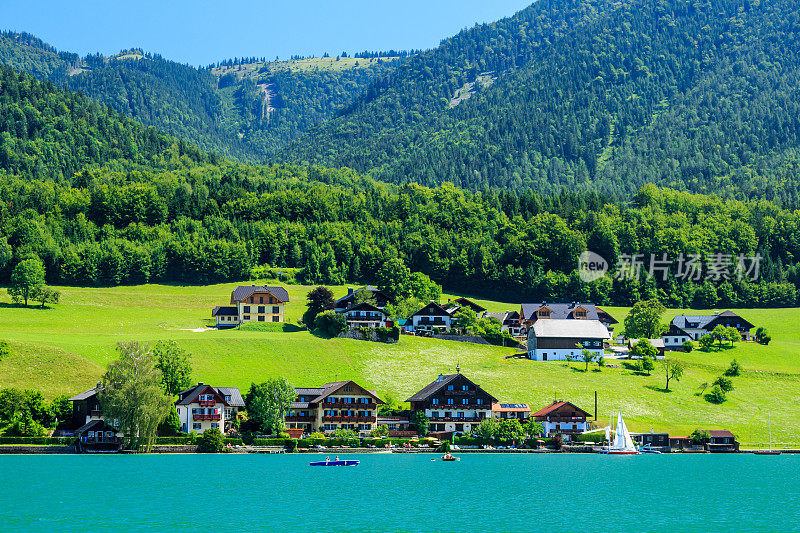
94 434
430 319
337 405
365 315
531 313
252 303
563 418
203 407
453 403
371 295
458 303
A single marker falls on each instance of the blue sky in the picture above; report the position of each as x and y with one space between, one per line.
203 31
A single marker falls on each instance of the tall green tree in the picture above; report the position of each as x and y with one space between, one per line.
132 395
175 365
644 320
26 279
673 370
267 404
318 299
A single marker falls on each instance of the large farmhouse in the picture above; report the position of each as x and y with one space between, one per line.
252 303
557 339
684 328
453 403
533 312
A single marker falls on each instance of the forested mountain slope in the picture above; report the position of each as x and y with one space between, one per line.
697 95
244 118
103 200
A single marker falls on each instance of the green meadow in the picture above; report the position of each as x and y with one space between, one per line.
64 350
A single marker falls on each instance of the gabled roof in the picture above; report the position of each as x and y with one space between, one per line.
718 433
655 343
92 425
437 310
190 395
225 311
318 394
469 303
505 318
565 328
87 394
364 306
439 383
370 288
566 310
557 405
244 291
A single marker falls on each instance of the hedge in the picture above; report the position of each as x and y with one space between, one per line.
184 441
50 441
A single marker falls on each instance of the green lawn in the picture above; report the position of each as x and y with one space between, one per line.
63 350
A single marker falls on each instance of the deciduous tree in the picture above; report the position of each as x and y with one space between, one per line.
26 279
268 402
673 370
175 366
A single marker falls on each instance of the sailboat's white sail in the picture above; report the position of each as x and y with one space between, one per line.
622 438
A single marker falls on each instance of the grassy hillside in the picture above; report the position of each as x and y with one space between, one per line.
64 350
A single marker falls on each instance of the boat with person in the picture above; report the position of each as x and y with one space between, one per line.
623 443
335 462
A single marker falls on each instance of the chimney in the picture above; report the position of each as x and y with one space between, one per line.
201 383
349 291
440 378
99 385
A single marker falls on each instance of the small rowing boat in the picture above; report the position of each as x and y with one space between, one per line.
335 463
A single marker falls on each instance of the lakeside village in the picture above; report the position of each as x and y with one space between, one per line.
451 411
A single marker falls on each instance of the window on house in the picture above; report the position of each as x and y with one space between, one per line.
251 299
246 308
246 317
464 401
261 299
261 318
479 401
275 318
449 387
435 401
197 425
276 310
449 401
261 309
464 387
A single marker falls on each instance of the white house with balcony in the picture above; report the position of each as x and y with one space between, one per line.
204 407
430 319
365 315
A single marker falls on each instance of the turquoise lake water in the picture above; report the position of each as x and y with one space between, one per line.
386 493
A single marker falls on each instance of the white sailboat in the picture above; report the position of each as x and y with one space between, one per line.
623 443
770 451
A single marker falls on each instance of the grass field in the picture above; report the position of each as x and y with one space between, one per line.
311 64
64 350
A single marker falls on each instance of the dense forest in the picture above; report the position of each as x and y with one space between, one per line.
229 115
695 95
103 200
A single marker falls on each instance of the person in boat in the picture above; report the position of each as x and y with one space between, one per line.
337 458
327 459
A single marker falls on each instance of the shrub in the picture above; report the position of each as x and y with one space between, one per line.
345 434
330 323
171 425
558 441
317 435
269 442
726 384
291 445
762 336
734 369
193 437
716 395
688 346
706 341
283 327
380 431
211 441
49 441
4 350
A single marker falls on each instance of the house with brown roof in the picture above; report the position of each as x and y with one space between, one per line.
93 432
720 440
374 295
563 418
431 318
336 405
204 407
366 315
453 403
252 303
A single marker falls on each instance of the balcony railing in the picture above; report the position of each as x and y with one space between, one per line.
457 419
458 392
340 405
299 418
569 419
208 403
462 406
203 416
366 419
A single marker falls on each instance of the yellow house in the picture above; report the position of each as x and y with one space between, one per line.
253 303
